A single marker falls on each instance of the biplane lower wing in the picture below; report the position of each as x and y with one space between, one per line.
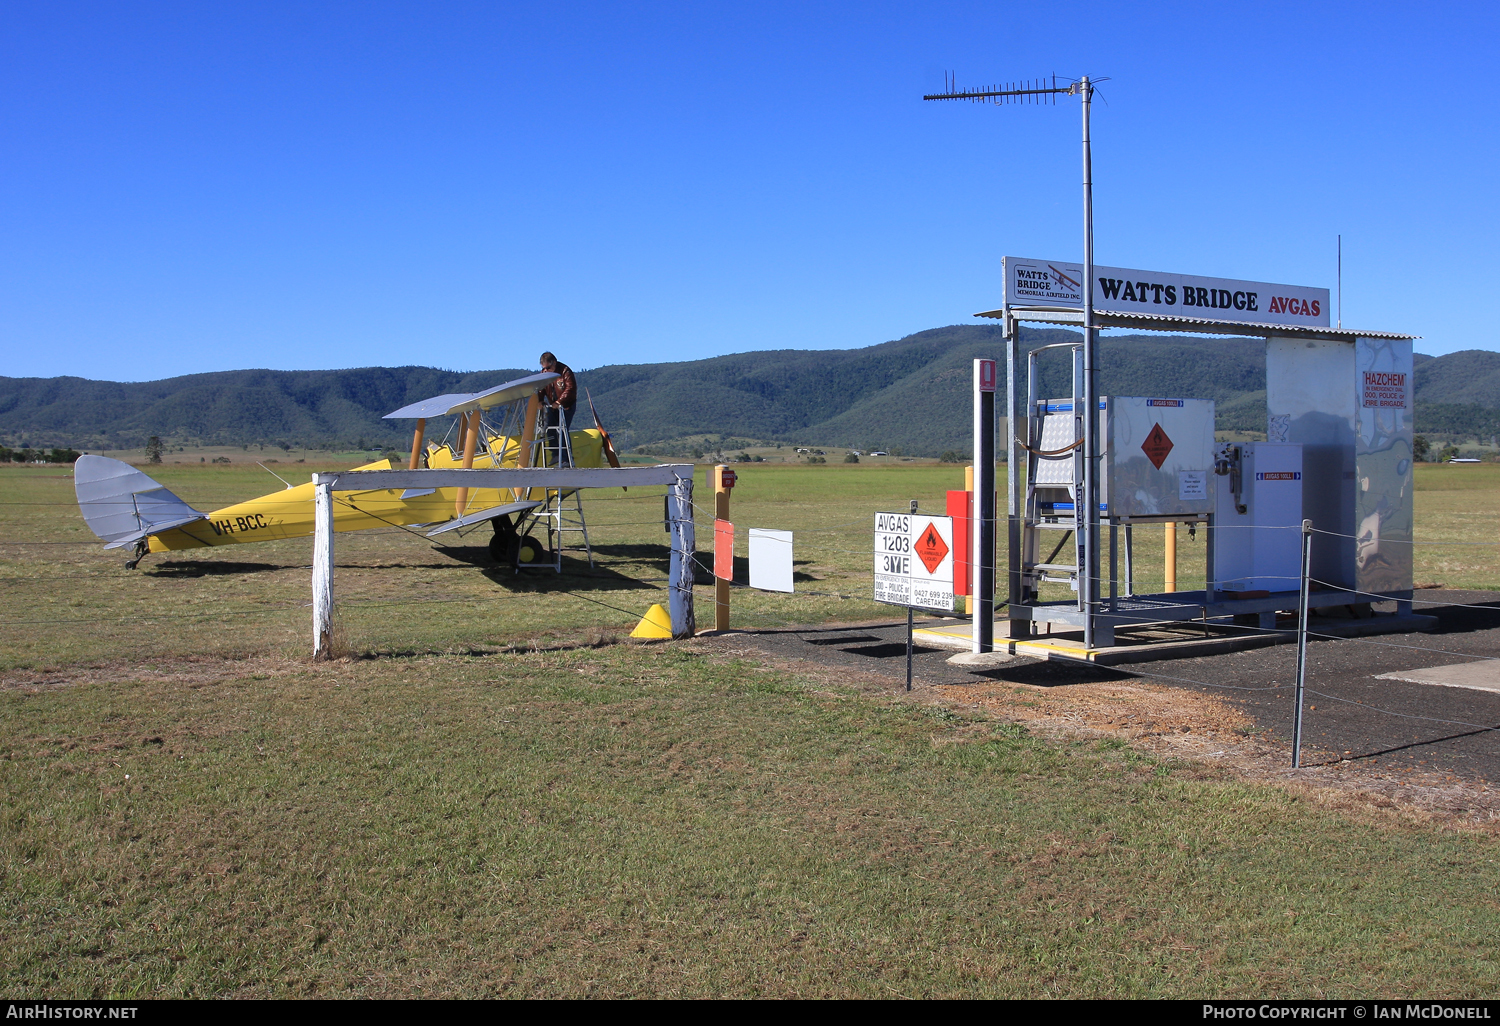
485 514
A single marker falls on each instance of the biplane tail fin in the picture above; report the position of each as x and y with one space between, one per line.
122 505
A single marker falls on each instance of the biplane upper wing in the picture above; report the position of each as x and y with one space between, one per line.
463 402
437 406
122 505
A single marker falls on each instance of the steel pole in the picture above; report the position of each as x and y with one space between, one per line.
1090 566
982 556
913 508
1302 612
908 647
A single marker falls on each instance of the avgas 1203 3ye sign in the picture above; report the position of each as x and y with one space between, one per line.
914 560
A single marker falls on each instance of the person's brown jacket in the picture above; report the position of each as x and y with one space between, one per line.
562 391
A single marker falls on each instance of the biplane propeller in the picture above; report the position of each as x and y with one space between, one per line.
498 427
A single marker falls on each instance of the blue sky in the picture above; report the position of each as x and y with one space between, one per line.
194 187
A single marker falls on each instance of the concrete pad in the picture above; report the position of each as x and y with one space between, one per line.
958 636
1481 676
1218 638
981 660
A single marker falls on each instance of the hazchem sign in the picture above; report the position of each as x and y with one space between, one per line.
1054 283
1386 390
914 560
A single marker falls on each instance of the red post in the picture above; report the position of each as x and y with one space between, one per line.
960 505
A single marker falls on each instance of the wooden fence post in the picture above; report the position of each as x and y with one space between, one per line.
322 566
680 585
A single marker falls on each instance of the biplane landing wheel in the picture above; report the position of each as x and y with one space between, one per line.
530 550
131 564
138 554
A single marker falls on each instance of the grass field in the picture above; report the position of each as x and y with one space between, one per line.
503 802
71 603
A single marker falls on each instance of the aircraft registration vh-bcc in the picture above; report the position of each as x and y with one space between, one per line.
498 428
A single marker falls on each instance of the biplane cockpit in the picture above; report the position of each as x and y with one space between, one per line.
500 427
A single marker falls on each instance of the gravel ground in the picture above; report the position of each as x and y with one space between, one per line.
1386 728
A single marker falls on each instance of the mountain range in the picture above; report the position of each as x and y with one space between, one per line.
910 394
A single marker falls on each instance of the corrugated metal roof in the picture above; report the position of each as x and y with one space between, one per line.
1163 322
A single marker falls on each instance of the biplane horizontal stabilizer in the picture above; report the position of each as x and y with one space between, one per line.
483 515
122 505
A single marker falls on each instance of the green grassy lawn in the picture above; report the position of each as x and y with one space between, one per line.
484 807
656 821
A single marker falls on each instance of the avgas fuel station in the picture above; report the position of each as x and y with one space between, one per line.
1331 482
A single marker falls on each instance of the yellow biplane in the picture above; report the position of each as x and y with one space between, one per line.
505 426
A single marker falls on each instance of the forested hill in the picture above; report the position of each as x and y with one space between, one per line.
911 394
313 408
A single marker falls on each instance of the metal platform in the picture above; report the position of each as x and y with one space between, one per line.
1177 626
1189 607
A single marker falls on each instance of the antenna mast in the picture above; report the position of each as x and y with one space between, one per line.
1341 281
1047 90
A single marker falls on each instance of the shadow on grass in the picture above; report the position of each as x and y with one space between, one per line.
576 574
185 568
489 651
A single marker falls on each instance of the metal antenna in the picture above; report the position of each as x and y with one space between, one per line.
1038 90
1341 281
1047 91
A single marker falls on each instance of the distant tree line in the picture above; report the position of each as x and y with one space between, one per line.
29 455
1466 419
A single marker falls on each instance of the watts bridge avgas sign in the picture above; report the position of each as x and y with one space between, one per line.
1055 284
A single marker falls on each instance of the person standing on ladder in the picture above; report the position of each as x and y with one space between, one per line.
560 396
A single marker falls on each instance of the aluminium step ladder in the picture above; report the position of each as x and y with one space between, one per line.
561 510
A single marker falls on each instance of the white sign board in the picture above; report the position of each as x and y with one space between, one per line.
914 560
1055 283
1192 485
770 559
